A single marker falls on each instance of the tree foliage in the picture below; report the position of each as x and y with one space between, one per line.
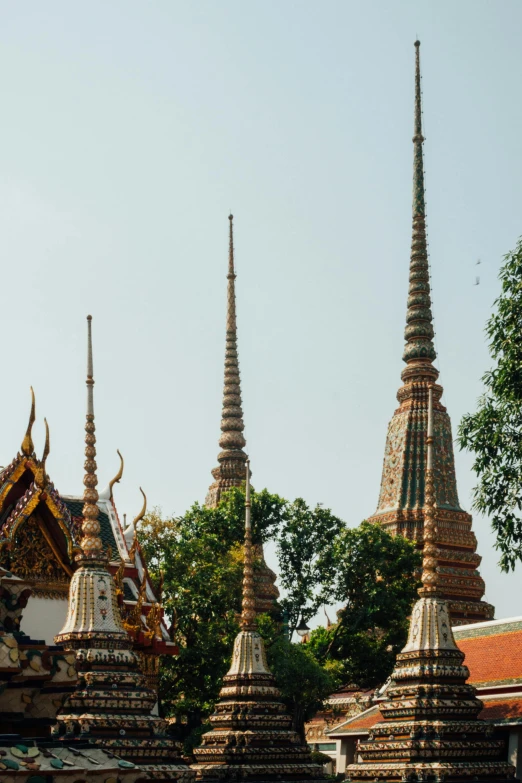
305 550
202 575
494 432
320 560
374 577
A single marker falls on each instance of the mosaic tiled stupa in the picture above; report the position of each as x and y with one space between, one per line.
401 506
230 471
111 706
429 729
251 737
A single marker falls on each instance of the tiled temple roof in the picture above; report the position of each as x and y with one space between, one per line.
493 651
74 506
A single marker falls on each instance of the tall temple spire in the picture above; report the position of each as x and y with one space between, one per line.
429 728
407 491
111 706
430 577
230 471
91 542
232 458
248 614
419 351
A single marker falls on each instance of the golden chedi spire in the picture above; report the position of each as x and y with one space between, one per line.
248 611
402 505
27 443
251 736
112 704
430 577
429 729
91 543
230 471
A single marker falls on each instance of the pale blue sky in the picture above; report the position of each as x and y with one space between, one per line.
130 129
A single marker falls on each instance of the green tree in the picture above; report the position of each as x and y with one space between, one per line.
305 549
202 576
375 578
494 433
200 557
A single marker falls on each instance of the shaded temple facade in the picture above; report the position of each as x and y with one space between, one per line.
401 506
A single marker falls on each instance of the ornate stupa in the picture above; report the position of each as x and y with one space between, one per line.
429 729
252 739
401 507
40 531
111 705
230 471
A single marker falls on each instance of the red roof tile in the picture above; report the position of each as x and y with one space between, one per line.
361 722
494 658
498 710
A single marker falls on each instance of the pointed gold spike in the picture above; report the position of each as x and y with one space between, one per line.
41 476
27 443
142 512
119 474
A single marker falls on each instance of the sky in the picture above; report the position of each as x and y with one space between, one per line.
130 130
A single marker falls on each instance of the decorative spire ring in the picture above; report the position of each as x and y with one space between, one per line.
430 577
248 614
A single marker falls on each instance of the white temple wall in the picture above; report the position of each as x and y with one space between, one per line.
43 618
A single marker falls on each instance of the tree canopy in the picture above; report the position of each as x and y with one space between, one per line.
374 576
494 432
199 556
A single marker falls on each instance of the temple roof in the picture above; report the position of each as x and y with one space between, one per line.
493 652
493 655
74 505
499 711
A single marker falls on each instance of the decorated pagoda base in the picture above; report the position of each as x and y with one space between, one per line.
251 737
430 730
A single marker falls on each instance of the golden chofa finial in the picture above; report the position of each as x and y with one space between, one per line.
27 443
40 478
142 512
119 474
